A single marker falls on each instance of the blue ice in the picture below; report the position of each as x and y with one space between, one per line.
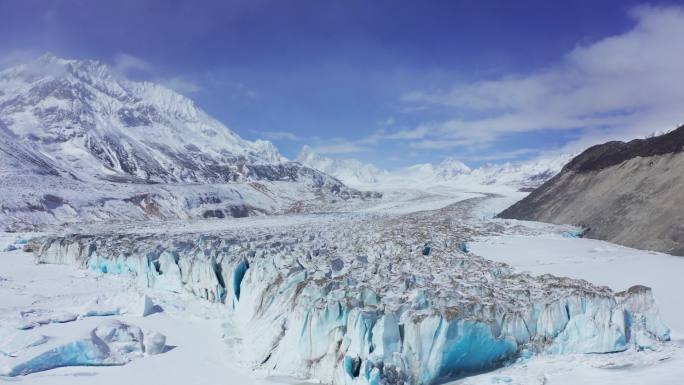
78 353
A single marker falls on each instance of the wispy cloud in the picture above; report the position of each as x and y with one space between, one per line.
500 156
338 146
430 144
325 146
16 57
619 87
279 135
124 63
181 85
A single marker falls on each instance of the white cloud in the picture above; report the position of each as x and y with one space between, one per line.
431 144
124 63
387 122
180 84
619 87
16 57
499 156
338 146
246 91
279 135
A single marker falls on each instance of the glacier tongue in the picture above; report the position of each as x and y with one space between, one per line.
356 302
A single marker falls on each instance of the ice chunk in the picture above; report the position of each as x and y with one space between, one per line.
643 312
169 275
36 317
77 353
111 343
100 307
13 341
101 312
155 343
144 307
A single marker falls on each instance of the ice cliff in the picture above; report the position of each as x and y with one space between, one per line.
350 302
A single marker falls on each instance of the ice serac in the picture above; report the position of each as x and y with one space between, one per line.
361 304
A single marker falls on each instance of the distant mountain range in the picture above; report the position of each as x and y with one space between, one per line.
78 142
521 175
624 192
350 171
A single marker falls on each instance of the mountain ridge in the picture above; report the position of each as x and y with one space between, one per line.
521 175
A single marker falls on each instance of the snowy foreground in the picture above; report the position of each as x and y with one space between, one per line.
421 287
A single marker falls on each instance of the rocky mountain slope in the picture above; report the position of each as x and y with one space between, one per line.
79 142
628 193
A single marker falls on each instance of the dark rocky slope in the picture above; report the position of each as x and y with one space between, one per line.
628 193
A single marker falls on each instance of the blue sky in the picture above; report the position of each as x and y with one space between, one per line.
388 82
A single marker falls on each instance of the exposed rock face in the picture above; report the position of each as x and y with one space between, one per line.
627 193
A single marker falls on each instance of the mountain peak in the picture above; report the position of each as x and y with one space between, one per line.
122 126
350 171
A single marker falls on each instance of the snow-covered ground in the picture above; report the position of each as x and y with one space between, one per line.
196 353
201 337
601 263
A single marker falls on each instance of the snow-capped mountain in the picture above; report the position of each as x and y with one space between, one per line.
90 119
351 171
446 170
521 175
525 175
88 139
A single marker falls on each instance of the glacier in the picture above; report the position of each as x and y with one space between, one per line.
349 301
